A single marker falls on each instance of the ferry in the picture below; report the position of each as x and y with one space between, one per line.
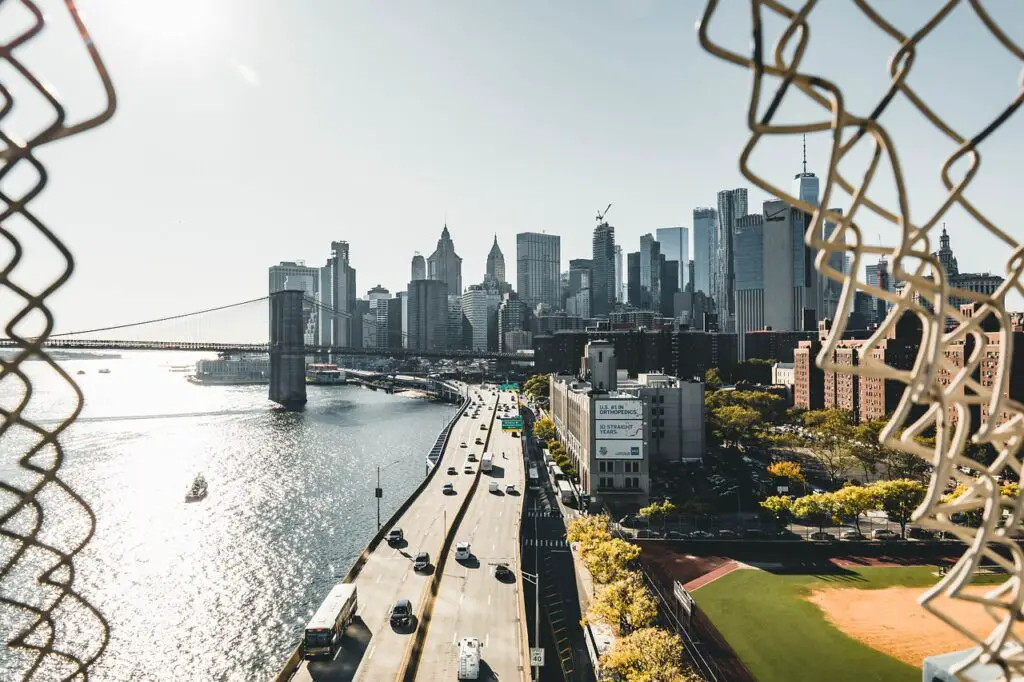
326 374
104 371
197 490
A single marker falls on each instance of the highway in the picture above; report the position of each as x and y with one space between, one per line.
371 650
471 602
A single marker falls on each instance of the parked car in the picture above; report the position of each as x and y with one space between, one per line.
884 534
395 536
920 533
820 536
401 614
852 535
421 562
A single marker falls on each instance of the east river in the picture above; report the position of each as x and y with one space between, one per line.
218 589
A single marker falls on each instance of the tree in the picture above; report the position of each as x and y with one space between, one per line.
1011 490
790 471
626 605
609 559
658 510
899 499
830 444
818 509
544 428
646 655
735 424
588 530
868 447
854 500
712 379
781 508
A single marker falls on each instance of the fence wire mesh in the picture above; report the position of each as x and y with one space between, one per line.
938 396
38 599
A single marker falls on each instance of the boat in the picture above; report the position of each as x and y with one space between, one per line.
325 375
104 371
81 371
197 490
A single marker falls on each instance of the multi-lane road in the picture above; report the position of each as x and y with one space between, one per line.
470 602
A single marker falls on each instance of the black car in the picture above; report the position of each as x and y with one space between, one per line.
502 571
395 536
401 613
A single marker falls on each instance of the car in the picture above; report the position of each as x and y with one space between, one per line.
453 471
401 613
851 535
421 562
463 444
448 489
510 489
483 427
462 551
883 534
479 441
395 536
468 468
493 487
821 536
502 571
472 457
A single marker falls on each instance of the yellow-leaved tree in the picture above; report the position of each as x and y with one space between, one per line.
625 605
608 559
588 530
647 655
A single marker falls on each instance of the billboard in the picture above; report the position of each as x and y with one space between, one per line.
619 429
619 449
619 409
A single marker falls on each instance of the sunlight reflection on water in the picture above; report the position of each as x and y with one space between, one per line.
216 590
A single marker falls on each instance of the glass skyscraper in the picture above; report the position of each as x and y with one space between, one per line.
538 262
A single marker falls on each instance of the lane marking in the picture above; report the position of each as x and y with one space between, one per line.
372 650
461 597
488 600
379 578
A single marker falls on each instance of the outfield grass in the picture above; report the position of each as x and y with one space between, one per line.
781 637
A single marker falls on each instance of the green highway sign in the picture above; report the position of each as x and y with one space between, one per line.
513 424
508 387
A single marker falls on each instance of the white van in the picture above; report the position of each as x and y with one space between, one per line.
469 658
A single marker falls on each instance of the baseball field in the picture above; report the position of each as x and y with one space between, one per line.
851 624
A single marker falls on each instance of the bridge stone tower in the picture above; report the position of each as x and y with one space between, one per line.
287 348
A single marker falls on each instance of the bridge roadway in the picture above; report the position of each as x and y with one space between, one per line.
471 602
387 575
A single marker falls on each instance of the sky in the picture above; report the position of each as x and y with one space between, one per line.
254 131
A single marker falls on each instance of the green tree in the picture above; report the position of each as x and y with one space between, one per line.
646 655
899 499
831 440
854 500
817 509
609 559
780 507
625 604
868 447
712 379
735 425
658 511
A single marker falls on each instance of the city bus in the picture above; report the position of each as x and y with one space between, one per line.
487 462
534 479
325 628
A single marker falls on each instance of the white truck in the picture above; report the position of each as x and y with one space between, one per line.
487 462
469 658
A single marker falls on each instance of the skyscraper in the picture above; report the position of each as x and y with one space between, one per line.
538 262
602 284
748 270
805 185
732 205
494 276
650 273
633 296
428 315
419 267
705 225
620 294
675 245
445 265
338 292
293 275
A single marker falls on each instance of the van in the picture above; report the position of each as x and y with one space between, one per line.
469 658
493 487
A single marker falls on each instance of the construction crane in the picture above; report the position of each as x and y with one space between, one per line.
602 214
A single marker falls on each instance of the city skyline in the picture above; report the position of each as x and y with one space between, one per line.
442 94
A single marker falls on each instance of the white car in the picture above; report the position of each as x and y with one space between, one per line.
462 552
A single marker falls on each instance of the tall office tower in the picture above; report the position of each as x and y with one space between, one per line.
378 297
403 327
338 293
480 308
748 270
445 265
297 275
513 323
705 225
732 205
805 185
669 285
830 289
579 275
650 273
675 245
877 275
419 267
602 281
619 293
495 273
538 262
428 315
633 293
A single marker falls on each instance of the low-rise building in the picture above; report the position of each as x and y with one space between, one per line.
675 411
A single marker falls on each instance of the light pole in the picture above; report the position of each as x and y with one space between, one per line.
378 492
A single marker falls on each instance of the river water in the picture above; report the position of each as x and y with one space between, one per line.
219 589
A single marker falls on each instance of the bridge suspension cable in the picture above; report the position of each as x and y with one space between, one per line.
160 319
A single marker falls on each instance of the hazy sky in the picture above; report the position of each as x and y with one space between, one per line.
254 131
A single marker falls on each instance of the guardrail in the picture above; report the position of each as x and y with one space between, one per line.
524 635
413 651
295 659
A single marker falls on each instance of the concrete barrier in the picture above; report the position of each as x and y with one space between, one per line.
295 659
414 650
524 635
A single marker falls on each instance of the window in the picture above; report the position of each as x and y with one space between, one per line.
661 399
635 482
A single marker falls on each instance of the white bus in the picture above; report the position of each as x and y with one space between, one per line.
325 628
564 491
487 462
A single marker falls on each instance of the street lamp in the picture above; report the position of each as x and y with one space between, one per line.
378 492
